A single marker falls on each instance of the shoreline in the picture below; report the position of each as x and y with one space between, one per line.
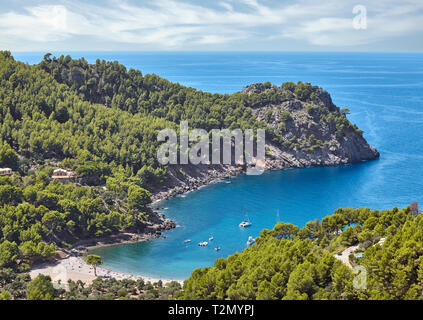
156 229
68 266
74 268
209 176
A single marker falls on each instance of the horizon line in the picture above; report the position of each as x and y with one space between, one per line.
208 51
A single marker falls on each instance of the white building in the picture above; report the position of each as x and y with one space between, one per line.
5 171
63 174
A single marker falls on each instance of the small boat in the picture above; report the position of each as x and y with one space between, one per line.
246 222
188 240
250 241
211 238
217 249
203 244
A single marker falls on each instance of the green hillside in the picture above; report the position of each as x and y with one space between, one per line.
101 121
292 263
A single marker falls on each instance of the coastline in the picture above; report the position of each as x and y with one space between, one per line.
194 179
70 265
68 262
190 182
74 268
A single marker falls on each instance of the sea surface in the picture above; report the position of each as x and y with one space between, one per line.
384 92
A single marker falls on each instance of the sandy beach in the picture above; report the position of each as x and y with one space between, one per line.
75 268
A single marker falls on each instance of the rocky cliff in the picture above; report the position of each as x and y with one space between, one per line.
314 131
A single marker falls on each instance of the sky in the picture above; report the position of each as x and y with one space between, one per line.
211 25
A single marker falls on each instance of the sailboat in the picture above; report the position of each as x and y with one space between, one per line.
246 222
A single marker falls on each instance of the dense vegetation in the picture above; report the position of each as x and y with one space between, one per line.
101 121
42 119
292 263
285 263
37 213
20 286
110 84
104 119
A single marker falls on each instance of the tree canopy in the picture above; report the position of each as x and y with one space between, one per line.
295 264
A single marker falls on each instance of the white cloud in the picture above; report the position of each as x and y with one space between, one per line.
41 23
383 23
181 25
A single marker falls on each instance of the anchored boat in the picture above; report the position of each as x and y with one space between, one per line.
246 222
250 241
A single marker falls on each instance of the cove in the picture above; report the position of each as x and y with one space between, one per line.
300 195
384 92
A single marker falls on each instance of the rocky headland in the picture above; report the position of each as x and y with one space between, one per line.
312 131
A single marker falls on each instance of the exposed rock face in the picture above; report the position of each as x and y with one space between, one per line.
310 129
254 88
185 178
315 131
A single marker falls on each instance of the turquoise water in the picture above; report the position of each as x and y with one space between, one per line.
385 96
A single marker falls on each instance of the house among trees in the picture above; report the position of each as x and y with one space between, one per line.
5 171
62 174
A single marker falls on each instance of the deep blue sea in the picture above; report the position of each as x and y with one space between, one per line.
384 92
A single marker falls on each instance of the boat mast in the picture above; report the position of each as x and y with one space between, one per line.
247 218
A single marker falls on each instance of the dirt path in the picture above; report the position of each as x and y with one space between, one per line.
345 255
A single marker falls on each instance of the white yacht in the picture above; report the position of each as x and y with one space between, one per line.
203 244
246 222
